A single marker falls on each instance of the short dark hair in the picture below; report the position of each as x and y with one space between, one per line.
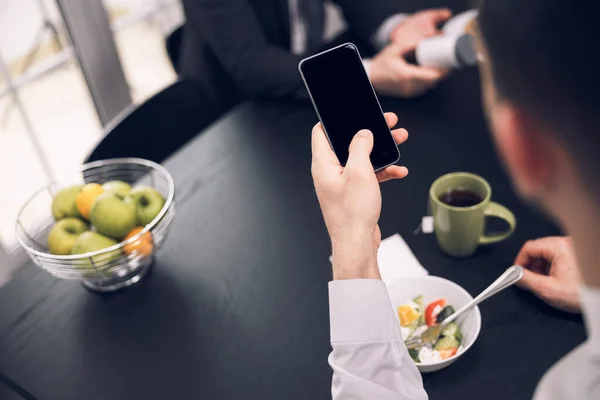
545 59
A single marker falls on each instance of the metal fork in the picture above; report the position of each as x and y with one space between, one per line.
431 335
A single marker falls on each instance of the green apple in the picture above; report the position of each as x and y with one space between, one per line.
64 234
112 216
63 204
93 241
148 201
119 188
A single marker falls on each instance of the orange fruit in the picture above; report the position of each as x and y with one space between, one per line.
143 245
85 199
407 315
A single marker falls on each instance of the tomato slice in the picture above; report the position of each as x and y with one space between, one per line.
447 353
432 310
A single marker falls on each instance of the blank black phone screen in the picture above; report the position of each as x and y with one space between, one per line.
346 103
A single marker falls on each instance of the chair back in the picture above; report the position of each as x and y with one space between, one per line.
158 127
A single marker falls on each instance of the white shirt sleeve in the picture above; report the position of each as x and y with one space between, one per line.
382 37
577 376
369 359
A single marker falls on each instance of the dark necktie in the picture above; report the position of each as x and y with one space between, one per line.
313 14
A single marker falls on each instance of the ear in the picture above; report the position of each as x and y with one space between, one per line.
531 155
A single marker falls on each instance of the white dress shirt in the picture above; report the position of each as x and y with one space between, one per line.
369 359
577 375
334 25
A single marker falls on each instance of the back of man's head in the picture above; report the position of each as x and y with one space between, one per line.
545 59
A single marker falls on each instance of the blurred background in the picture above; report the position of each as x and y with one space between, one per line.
67 68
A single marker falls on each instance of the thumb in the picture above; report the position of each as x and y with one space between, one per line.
534 282
360 150
400 48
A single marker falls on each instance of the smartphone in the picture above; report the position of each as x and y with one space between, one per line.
345 102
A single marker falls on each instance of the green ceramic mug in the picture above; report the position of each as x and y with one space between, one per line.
460 229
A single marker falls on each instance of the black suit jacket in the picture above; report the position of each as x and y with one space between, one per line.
241 48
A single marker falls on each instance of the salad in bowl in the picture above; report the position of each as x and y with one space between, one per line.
415 317
424 300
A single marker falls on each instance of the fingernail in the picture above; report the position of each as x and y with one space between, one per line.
364 133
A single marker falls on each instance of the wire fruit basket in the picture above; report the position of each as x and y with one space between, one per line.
114 267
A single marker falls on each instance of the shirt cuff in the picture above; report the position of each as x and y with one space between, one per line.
383 36
360 311
367 65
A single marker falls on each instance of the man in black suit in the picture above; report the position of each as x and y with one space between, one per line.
239 49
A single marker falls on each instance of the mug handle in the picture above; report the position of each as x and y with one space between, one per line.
499 211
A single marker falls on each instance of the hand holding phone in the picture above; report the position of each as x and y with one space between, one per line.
346 103
350 200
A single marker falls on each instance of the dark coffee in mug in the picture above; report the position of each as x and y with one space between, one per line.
460 204
460 197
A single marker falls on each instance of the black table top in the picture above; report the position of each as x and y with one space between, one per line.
236 306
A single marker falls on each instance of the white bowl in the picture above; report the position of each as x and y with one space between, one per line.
433 288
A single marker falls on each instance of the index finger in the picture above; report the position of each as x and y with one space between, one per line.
534 249
321 149
439 15
391 119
